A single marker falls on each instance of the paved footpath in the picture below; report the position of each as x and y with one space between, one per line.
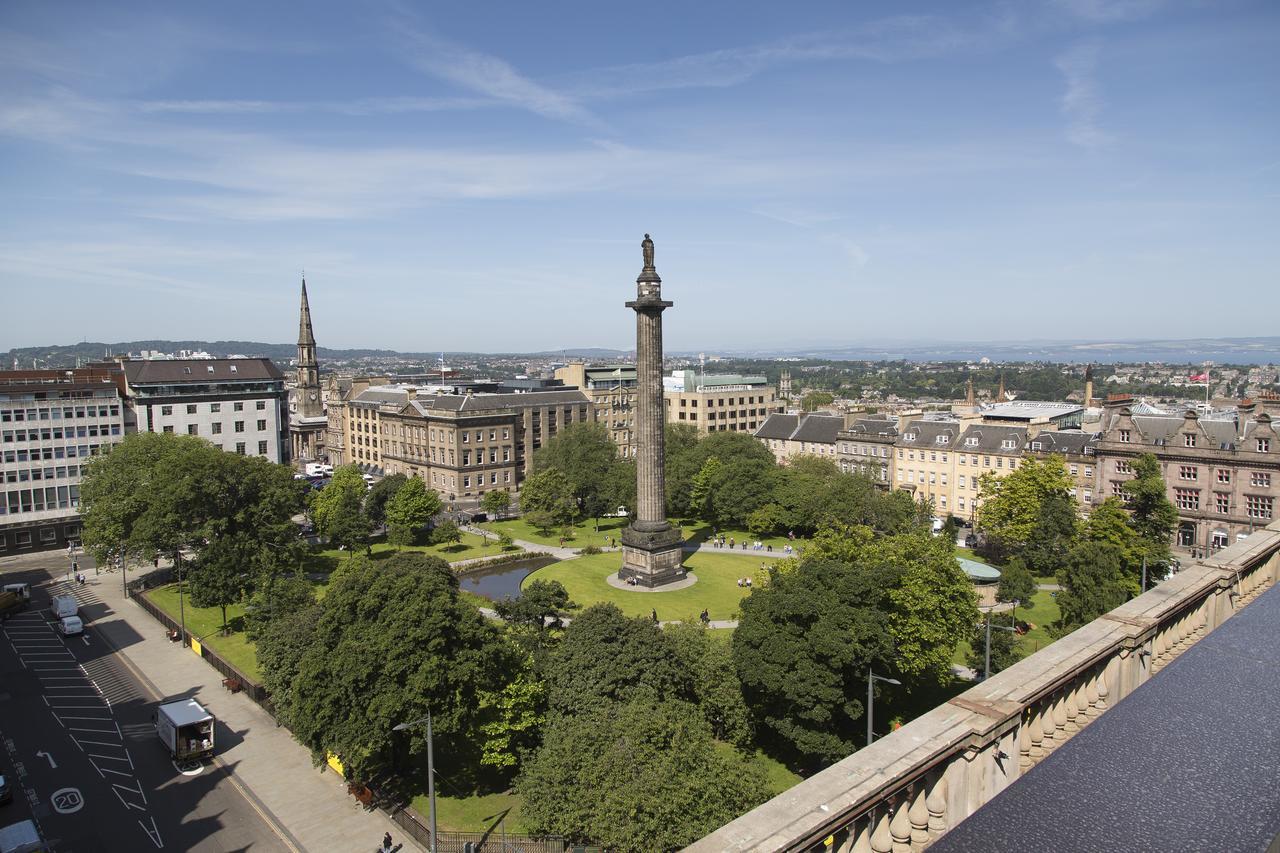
309 807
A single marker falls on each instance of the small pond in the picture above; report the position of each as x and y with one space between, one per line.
498 582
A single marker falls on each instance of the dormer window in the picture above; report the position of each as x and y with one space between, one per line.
1008 444
1035 445
910 436
209 367
233 368
943 439
1124 436
1188 439
1264 445
971 442
186 370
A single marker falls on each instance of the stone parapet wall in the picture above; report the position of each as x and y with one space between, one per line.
907 789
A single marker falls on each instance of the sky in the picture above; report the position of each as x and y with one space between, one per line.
479 176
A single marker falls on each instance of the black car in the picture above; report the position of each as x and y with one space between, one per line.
6 788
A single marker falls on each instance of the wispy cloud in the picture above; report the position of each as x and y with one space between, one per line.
358 106
894 39
1109 11
1081 103
484 74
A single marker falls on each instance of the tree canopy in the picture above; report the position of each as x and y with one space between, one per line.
588 458
1011 506
375 502
410 509
1152 516
392 641
636 775
337 510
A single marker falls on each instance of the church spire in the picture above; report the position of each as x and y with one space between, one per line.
308 391
1001 397
969 399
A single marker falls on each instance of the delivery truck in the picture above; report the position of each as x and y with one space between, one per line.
64 606
14 597
186 729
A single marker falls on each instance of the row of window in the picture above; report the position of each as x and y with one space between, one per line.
215 408
216 428
863 450
48 535
18 501
53 472
1190 439
60 433
725 402
1192 472
58 414
37 454
1256 506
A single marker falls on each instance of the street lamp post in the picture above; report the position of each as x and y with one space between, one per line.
431 771
872 678
1014 629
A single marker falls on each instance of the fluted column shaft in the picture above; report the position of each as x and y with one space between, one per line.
651 504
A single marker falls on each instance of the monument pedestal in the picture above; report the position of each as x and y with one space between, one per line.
652 558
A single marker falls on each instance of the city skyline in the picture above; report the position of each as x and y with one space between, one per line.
972 172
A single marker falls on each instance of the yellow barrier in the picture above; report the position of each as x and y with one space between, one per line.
196 647
332 761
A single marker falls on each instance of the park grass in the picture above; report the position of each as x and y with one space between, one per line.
717 589
1043 612
467 814
205 624
583 533
471 547
699 532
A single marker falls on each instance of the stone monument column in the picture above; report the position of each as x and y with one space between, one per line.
652 549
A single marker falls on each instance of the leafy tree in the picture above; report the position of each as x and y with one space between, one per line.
281 644
1109 526
768 519
814 400
716 689
1152 516
1052 535
220 576
337 510
682 463
586 455
1011 505
505 541
538 602
801 650
496 502
512 718
1093 583
605 657
410 509
274 597
641 775
392 641
1004 648
701 493
1016 584
804 642
446 533
375 503
547 499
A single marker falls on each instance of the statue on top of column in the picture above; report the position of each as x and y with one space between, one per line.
646 246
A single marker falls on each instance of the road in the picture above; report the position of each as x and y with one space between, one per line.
75 727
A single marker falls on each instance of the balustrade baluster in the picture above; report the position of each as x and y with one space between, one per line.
1046 726
1035 730
1060 720
919 816
1091 693
1024 744
936 803
1070 708
900 827
862 839
881 840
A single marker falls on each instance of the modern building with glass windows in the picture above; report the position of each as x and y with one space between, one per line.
52 422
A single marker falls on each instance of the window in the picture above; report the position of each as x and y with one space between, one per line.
466 437
1187 472
1088 470
193 429
260 405
1188 439
1123 468
960 503
239 407
1124 436
166 410
217 429
1258 506
215 407
1075 470
1224 475
962 481
240 447
239 426
1117 489
986 462
1260 478
1264 446
262 448
1187 498
1222 502
1088 495
262 425
168 429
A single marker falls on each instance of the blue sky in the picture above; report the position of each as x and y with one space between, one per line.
478 176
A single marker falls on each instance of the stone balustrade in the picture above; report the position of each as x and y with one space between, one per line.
905 790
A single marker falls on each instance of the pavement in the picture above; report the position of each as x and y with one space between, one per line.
306 808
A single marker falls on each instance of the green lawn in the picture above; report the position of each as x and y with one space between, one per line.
467 814
716 590
700 531
470 547
205 623
1042 613
584 533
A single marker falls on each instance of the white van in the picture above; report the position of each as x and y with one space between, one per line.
64 605
69 626
20 837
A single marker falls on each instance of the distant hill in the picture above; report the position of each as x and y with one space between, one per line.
1263 350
